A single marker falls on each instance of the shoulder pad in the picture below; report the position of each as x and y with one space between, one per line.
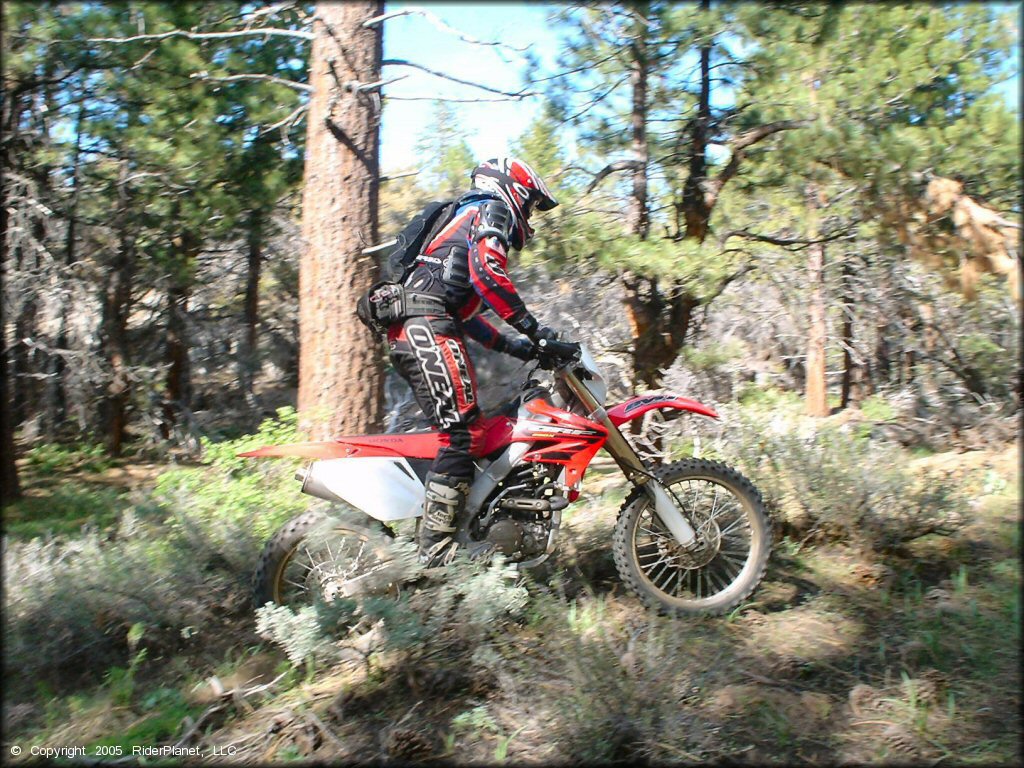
495 221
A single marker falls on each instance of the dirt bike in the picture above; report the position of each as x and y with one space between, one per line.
692 537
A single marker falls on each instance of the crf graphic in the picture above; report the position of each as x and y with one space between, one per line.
460 362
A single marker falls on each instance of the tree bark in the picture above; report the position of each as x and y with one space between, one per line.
178 392
10 488
815 387
696 211
58 383
341 378
852 390
659 325
247 358
639 213
113 337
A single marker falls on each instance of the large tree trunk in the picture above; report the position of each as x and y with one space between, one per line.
58 384
659 325
660 317
178 392
642 299
852 390
341 377
638 213
696 211
248 359
115 302
10 489
815 388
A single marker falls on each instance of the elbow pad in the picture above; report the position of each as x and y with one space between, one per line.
495 221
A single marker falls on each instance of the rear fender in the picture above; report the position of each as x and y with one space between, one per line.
488 435
414 445
636 407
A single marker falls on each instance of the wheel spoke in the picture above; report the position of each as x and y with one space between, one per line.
733 524
714 504
738 563
668 577
728 524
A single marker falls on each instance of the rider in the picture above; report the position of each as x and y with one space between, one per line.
463 266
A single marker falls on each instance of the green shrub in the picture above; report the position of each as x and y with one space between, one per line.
72 603
173 559
769 398
229 506
435 627
825 480
713 356
51 458
65 510
601 690
877 408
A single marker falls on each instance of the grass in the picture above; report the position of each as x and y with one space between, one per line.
65 510
57 458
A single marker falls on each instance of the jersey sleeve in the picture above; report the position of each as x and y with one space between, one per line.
478 329
488 257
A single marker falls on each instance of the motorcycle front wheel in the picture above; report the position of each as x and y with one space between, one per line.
733 541
316 557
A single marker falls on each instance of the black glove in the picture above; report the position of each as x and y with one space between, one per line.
519 347
543 333
528 325
552 353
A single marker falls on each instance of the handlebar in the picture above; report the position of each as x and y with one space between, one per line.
552 353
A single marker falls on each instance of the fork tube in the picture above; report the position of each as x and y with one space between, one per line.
633 467
627 459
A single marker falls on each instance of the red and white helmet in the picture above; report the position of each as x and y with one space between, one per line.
519 186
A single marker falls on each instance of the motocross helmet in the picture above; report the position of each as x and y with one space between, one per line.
520 187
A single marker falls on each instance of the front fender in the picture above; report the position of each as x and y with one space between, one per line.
638 406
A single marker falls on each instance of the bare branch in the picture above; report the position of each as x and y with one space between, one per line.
355 85
403 63
266 31
755 135
589 65
290 120
738 146
270 10
439 24
783 241
405 175
452 100
596 100
207 77
621 165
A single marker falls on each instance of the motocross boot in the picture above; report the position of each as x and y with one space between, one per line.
445 499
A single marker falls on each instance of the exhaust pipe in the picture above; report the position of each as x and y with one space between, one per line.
311 485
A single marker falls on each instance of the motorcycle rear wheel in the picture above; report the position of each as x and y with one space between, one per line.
318 557
728 515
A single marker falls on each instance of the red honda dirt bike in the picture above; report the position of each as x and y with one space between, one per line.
692 536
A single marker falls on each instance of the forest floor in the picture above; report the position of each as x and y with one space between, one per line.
840 655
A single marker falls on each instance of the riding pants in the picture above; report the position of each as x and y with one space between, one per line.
430 354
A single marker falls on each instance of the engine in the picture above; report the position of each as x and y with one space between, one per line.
522 512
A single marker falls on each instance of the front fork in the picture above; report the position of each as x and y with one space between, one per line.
632 466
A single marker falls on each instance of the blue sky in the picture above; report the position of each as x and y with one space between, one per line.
490 127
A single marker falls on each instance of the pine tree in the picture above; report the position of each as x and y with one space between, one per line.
885 88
